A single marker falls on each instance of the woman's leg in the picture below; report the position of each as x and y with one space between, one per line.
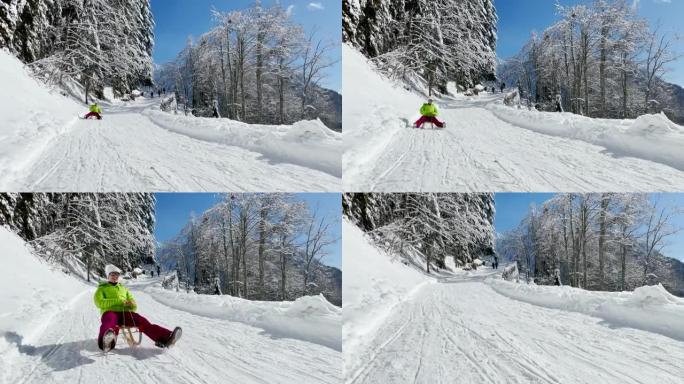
109 321
421 121
436 122
153 331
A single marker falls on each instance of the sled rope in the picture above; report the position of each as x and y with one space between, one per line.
128 333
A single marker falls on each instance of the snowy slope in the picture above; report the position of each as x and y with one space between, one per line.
30 116
461 330
490 147
48 325
44 147
373 285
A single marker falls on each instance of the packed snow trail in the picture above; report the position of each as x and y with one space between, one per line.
478 151
464 332
127 151
210 351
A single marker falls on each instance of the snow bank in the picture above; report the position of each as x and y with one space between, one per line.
307 143
649 308
373 110
309 318
649 137
373 285
30 116
32 293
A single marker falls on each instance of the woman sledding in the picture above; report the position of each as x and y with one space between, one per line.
117 307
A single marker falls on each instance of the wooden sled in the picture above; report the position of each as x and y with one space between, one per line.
131 335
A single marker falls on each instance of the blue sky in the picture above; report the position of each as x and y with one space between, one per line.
517 19
177 19
512 207
174 210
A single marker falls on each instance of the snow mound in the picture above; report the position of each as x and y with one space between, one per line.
651 295
33 292
374 284
311 318
30 116
307 143
649 137
649 308
656 124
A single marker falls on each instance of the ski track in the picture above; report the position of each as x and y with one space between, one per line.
464 332
128 151
210 351
479 152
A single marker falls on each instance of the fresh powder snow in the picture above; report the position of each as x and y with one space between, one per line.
488 146
49 324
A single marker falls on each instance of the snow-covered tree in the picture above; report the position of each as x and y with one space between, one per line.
256 246
258 66
97 43
426 229
606 241
91 229
429 41
600 57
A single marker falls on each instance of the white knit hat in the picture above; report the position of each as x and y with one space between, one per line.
109 268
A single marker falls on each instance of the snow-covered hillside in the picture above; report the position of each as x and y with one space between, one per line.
49 324
44 146
487 146
471 328
369 298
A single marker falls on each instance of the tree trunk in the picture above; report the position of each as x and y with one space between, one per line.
624 85
602 237
602 69
261 36
623 265
262 243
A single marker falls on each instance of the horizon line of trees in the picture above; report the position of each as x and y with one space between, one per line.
601 58
596 241
255 65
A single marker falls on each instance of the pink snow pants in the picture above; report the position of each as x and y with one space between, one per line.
428 119
111 320
93 114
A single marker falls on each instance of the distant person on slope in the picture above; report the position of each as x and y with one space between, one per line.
559 104
95 111
429 114
117 307
503 86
